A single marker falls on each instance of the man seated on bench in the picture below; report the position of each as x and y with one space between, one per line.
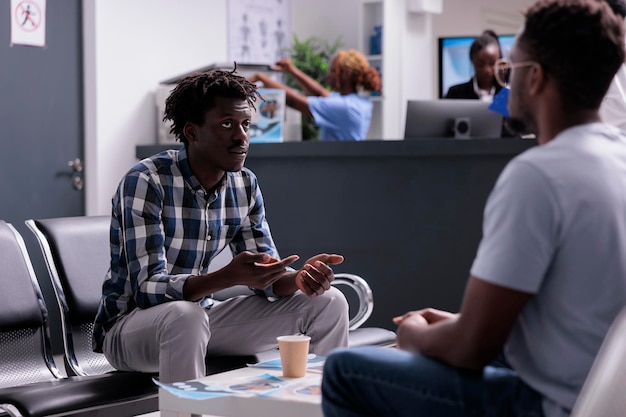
171 215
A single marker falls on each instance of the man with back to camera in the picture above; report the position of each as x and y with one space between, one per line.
172 214
550 273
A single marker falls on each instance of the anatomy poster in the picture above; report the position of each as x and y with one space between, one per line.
259 31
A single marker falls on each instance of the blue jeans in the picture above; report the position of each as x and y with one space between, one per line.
374 381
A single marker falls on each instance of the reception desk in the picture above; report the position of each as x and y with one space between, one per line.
405 214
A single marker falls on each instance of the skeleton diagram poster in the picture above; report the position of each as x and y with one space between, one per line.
259 31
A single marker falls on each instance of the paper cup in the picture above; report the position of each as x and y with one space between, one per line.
294 350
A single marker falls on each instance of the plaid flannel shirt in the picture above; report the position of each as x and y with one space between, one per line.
165 228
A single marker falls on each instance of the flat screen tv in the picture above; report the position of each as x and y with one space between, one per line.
463 119
455 66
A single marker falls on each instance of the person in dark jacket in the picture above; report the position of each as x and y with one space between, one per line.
484 52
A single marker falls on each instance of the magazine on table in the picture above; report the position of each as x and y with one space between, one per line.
314 363
267 383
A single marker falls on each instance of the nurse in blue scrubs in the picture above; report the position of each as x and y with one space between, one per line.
345 112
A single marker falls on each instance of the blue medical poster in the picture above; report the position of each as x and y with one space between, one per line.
268 122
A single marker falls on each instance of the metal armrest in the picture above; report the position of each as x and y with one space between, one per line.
364 293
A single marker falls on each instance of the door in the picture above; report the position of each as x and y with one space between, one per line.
41 129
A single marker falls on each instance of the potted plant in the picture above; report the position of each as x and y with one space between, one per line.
312 56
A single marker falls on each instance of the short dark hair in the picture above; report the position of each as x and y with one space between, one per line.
195 94
618 7
580 43
488 37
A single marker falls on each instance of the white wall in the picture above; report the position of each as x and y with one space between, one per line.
327 19
132 45
469 17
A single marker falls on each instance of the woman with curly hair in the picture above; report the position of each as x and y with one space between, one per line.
343 113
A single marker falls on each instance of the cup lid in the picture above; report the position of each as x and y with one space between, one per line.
293 338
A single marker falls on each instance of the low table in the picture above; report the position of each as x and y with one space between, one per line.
271 395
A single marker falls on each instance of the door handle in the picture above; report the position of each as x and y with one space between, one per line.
77 168
76 165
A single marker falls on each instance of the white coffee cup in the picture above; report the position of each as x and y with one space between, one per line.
294 350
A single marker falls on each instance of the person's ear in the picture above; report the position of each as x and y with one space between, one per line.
190 131
537 80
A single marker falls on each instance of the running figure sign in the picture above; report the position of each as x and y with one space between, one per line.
28 22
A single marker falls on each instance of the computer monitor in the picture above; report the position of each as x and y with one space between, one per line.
448 118
454 63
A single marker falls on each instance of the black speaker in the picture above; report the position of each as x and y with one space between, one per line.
462 127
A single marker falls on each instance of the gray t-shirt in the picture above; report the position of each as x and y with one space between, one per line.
555 226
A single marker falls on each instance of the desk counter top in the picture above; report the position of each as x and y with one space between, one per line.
372 148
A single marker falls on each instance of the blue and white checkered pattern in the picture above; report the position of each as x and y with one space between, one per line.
165 227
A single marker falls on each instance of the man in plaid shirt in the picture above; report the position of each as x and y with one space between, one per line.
177 210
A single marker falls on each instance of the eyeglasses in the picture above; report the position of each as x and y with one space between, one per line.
503 67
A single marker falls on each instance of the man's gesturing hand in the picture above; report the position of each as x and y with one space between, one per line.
258 270
315 276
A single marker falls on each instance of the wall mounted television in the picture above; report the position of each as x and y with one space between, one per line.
455 66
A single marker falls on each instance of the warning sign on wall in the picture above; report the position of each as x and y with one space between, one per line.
28 22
